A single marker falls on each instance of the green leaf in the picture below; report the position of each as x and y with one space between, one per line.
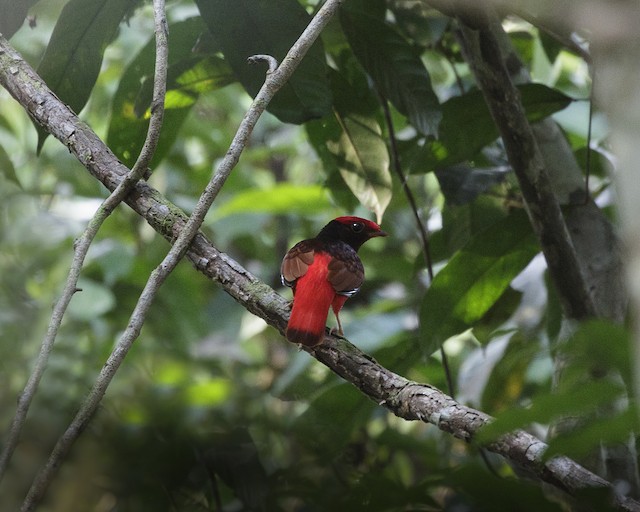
127 131
460 223
547 407
72 60
351 143
467 125
281 198
393 65
475 278
254 27
359 153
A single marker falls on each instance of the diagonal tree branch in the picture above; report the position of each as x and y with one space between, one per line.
404 398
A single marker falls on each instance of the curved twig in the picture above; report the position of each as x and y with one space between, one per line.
81 246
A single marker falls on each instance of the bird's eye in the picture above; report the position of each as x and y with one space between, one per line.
357 227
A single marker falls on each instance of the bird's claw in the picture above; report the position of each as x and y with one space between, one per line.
334 331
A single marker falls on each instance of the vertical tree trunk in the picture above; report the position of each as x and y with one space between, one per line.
593 238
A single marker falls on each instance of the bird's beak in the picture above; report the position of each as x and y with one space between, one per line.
378 233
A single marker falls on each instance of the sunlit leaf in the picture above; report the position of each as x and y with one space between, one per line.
393 64
186 80
208 393
254 27
72 61
281 198
475 278
127 131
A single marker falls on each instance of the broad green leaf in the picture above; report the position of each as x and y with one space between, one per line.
254 27
545 408
356 149
467 125
475 278
393 65
351 142
363 161
127 131
281 198
422 24
72 60
186 80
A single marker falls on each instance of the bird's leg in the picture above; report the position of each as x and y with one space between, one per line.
339 330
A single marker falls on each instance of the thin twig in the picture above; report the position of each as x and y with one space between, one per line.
424 236
274 81
587 165
81 246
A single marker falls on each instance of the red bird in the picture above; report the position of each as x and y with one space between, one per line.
324 272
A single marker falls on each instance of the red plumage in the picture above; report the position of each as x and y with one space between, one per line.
324 272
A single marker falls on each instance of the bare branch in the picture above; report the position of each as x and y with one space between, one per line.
81 247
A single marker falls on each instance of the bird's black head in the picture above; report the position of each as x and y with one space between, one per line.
354 231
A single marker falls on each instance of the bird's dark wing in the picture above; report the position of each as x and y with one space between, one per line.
296 262
346 273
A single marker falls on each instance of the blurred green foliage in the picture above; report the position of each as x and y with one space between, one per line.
212 409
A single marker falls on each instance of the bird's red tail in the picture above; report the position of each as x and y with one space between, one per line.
311 302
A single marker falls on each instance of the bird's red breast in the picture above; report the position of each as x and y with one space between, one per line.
324 271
